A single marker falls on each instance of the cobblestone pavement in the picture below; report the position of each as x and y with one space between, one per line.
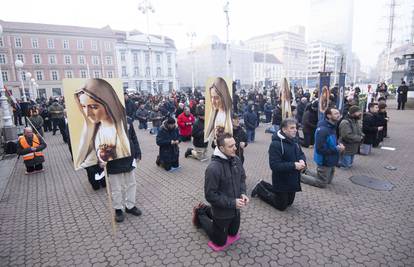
55 218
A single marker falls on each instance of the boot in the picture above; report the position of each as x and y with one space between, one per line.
188 152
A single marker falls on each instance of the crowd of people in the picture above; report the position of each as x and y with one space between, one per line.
180 117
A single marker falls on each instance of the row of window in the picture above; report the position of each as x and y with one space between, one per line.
147 72
52 59
135 57
80 44
54 75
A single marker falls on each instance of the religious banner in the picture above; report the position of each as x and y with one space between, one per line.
97 121
341 93
218 109
324 93
285 99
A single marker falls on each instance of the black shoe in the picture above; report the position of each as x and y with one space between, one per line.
119 216
195 221
134 211
188 152
254 191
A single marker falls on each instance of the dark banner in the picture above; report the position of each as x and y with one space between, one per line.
324 93
341 92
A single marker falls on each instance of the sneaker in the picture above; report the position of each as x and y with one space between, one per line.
119 215
173 168
134 211
188 152
254 191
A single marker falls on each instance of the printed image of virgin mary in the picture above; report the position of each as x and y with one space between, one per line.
103 136
324 99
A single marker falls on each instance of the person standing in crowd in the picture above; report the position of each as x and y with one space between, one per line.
168 140
130 107
350 134
402 93
300 110
268 109
326 151
179 110
17 113
200 147
250 121
185 123
240 137
287 161
47 122
30 146
56 114
36 121
142 117
309 123
156 118
370 128
276 118
225 190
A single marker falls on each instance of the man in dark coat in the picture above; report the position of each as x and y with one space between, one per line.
251 122
168 140
225 190
130 106
402 92
200 147
142 115
309 123
371 127
287 160
301 109
268 109
30 146
240 137
156 118
277 118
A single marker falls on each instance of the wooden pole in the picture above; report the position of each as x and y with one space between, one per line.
111 209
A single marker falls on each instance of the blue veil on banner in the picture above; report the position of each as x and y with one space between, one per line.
324 93
341 92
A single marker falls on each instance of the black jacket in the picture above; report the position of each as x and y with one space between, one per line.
225 180
130 108
239 135
402 92
277 116
168 152
370 128
310 120
198 133
125 164
283 153
250 119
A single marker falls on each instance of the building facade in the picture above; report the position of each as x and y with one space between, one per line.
287 46
53 52
267 70
141 61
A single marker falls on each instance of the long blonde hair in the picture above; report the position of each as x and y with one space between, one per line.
222 90
102 92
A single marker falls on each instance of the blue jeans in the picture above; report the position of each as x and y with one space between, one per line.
250 135
143 125
155 130
347 160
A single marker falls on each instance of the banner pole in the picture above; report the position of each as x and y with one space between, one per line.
111 210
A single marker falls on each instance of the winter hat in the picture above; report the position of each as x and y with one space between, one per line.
170 120
354 109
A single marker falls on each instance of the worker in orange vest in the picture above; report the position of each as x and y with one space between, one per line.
30 146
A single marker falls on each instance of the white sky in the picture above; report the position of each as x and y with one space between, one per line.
205 17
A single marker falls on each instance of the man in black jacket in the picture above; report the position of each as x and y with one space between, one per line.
240 137
251 122
371 128
402 92
200 147
225 190
121 175
287 161
168 140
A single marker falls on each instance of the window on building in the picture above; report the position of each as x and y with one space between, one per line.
158 58
56 92
5 76
107 46
81 60
95 60
169 58
3 59
20 57
68 74
135 57
35 43
136 71
169 72
124 71
54 75
83 74
65 44
36 59
158 72
23 73
79 44
52 59
110 74
122 56
1 41
41 92
147 71
108 60
39 75
97 74
50 43
68 59
146 57
94 45
18 42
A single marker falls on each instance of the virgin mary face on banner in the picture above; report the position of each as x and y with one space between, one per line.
104 136
220 113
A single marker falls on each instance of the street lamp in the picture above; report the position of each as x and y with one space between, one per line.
226 10
146 7
19 65
192 35
28 78
33 89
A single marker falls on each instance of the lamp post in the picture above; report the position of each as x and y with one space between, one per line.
226 10
19 65
145 7
192 35
8 129
29 79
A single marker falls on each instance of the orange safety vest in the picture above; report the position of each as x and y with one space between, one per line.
24 144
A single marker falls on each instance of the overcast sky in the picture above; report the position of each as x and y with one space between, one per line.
175 18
